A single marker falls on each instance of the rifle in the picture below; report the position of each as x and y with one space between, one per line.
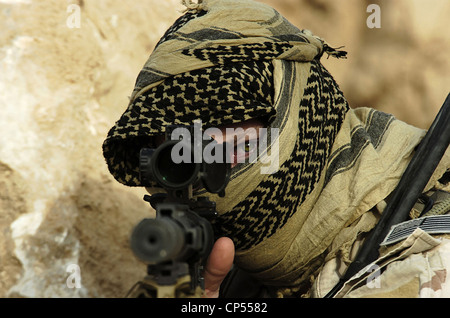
416 176
176 244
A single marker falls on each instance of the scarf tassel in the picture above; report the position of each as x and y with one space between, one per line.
335 52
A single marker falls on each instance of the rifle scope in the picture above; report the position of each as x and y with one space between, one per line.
159 166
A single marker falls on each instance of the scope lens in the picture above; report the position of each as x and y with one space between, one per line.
171 174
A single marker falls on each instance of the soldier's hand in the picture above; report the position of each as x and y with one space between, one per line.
218 265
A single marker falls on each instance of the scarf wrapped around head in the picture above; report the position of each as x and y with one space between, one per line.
227 61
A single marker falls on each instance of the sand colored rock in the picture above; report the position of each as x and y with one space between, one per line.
61 89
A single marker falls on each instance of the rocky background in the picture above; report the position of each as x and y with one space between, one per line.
67 68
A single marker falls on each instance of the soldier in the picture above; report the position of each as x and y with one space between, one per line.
294 231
